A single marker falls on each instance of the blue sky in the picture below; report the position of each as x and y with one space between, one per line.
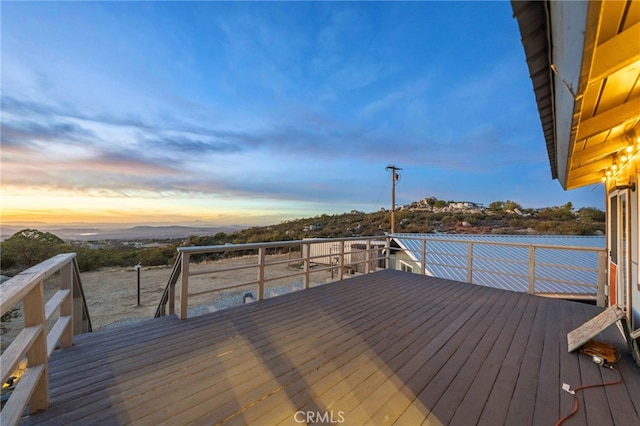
253 113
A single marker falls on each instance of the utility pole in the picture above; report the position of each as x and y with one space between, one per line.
394 179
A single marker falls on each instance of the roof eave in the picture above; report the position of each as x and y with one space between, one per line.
535 31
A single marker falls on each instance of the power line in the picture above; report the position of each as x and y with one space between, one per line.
382 189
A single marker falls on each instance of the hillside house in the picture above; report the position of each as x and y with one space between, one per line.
465 205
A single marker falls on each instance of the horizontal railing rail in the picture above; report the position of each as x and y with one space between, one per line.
326 254
575 272
35 342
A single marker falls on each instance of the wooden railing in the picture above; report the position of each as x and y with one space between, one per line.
332 254
542 269
35 341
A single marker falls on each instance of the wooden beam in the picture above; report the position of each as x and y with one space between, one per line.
586 178
62 326
609 119
593 327
17 287
587 168
58 298
33 311
601 150
14 408
616 53
15 352
583 181
184 287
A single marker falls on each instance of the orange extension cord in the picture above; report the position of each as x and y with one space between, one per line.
575 397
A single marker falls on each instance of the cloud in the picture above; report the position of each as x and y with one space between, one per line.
28 133
396 99
295 103
305 155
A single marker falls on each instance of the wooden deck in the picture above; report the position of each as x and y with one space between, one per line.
384 348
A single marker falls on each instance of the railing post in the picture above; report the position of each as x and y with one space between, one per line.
306 254
66 307
387 256
341 265
177 270
470 262
532 270
424 256
172 294
601 298
184 287
33 306
261 259
367 258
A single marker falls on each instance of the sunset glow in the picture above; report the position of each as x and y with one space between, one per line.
255 113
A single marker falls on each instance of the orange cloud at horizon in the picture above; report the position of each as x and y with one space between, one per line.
72 216
64 207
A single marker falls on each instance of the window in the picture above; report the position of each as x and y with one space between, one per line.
405 267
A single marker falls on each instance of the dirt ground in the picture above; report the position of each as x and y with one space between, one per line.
111 294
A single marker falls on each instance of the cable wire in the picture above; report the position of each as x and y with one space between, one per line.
383 189
579 388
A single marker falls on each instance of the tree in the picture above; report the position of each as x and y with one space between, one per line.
591 214
30 247
557 213
496 206
511 206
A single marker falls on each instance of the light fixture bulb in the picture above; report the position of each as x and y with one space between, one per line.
608 173
623 158
629 148
614 166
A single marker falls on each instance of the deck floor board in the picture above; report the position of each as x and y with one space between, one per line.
328 386
383 348
549 384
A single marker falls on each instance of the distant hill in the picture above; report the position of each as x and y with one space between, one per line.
435 216
133 233
429 215
98 247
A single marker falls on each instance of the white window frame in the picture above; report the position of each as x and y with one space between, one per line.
405 267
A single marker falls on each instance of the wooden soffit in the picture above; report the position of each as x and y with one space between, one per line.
607 107
584 63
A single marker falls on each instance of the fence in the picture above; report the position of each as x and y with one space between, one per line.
573 272
542 269
36 341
